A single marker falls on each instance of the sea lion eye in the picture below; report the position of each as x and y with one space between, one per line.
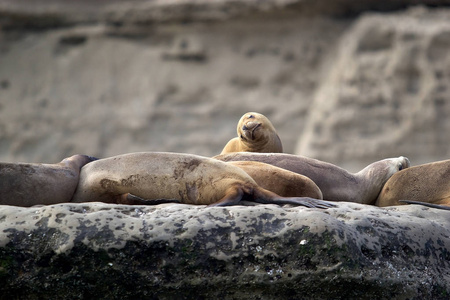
400 166
250 116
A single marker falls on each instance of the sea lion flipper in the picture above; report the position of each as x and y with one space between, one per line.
232 197
438 206
135 200
304 201
267 197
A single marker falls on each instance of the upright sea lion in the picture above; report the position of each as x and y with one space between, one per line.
255 134
148 177
280 181
427 184
24 184
335 183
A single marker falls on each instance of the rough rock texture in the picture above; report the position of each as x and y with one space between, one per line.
103 251
110 77
104 90
387 91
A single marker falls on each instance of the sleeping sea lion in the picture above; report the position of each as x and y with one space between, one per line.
280 181
255 134
335 183
149 177
28 184
427 184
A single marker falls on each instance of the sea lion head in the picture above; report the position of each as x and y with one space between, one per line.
255 134
253 126
384 169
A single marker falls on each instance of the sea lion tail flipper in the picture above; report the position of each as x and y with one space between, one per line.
445 207
135 200
267 197
304 201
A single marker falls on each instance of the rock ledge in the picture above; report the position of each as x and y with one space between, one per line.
257 252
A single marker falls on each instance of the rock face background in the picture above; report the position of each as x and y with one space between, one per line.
340 83
386 91
104 251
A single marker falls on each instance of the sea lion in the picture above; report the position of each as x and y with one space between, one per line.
335 183
427 184
148 177
255 134
28 184
280 181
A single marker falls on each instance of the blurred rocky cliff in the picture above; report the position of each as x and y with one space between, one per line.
344 81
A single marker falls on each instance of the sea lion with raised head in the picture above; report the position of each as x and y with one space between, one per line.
426 184
28 184
255 134
335 183
152 177
280 181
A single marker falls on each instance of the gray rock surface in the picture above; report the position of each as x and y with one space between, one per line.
109 77
252 252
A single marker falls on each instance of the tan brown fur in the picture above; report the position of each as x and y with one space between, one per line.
280 181
152 177
428 183
255 134
335 183
28 184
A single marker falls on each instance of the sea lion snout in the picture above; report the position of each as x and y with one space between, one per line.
249 129
403 163
251 125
